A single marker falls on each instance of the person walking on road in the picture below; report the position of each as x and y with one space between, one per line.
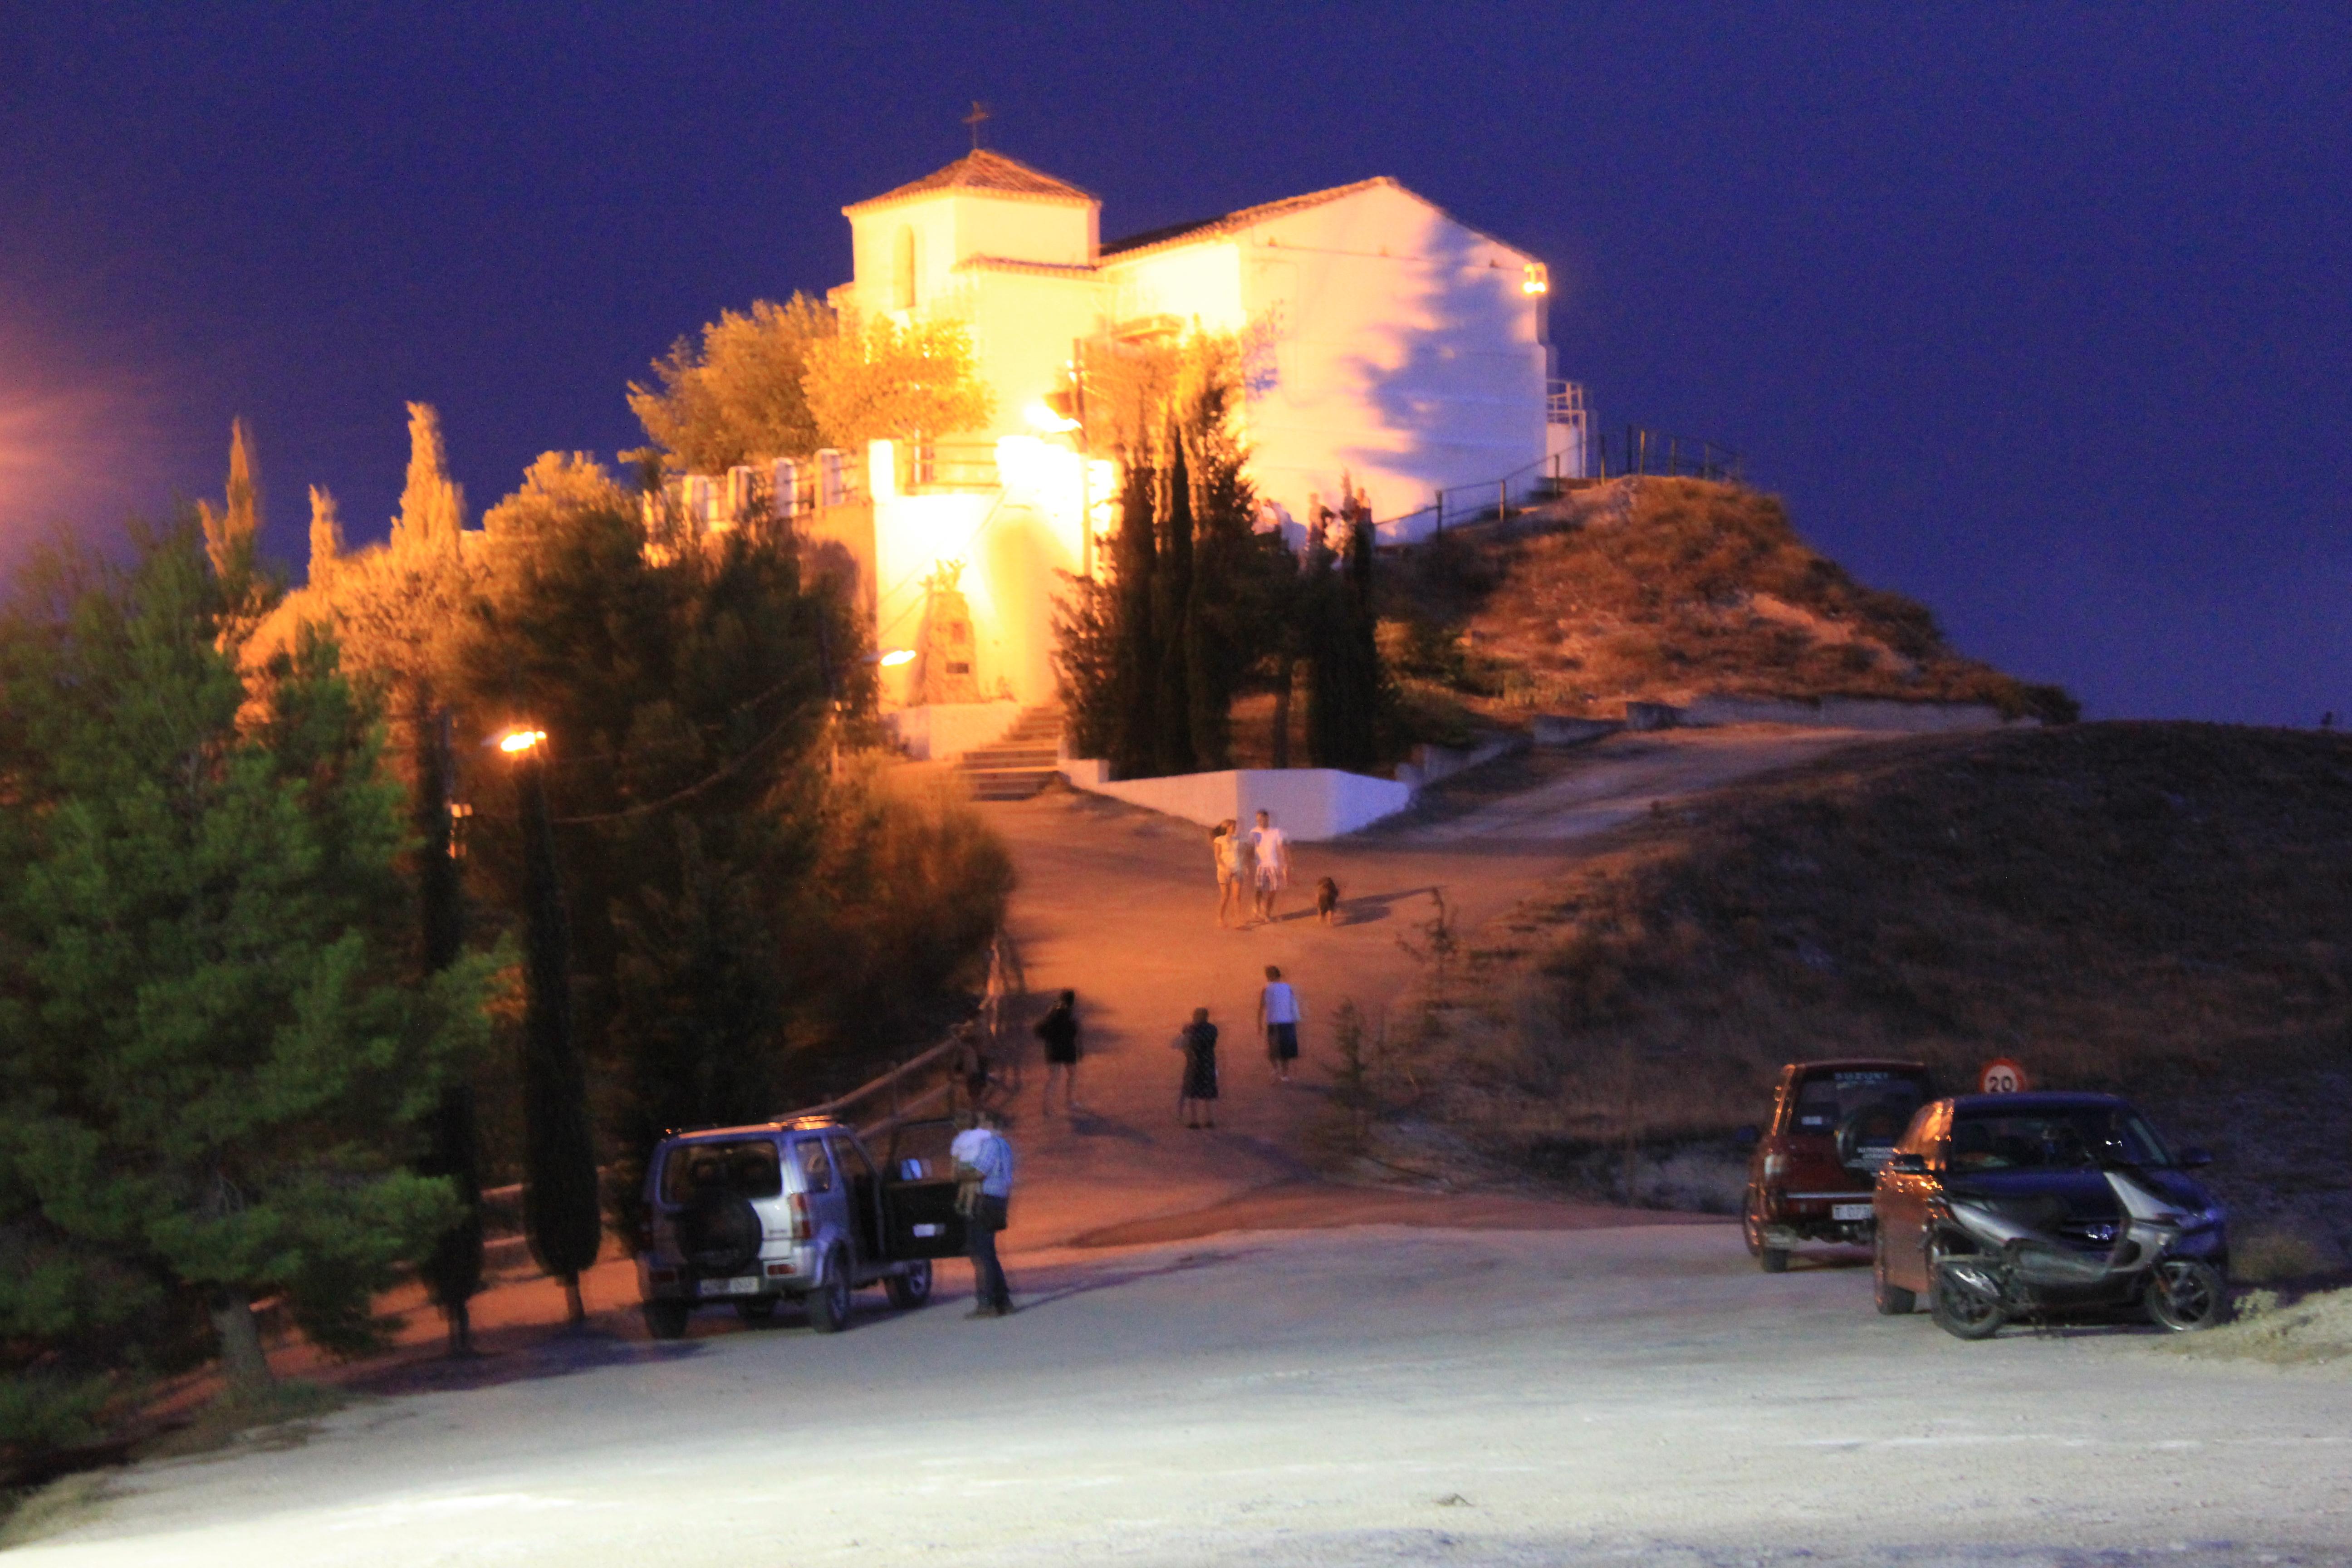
1196 1100
984 1165
1270 847
1278 1019
1230 849
1059 1029
971 1064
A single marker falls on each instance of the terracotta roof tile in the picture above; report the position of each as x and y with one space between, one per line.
983 170
1242 218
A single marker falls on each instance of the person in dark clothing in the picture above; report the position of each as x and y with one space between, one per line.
1199 1094
971 1065
1059 1029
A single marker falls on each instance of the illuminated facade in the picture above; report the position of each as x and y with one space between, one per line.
1398 351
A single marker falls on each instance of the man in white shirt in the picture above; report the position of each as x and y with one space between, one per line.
1271 847
1277 1020
983 1162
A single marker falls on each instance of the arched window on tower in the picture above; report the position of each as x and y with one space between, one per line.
902 269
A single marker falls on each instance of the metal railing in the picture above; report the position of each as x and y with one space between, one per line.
950 465
1650 452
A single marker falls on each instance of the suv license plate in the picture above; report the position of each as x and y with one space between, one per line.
741 1285
1849 1211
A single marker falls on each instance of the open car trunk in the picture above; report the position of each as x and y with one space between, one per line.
919 1190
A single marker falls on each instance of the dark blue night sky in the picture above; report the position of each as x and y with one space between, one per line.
2043 314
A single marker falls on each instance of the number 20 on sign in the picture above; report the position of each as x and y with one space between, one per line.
2002 1076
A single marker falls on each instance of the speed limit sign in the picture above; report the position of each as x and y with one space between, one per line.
2002 1076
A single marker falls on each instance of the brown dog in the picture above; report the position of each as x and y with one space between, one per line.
1327 898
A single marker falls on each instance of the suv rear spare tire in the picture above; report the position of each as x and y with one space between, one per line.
721 1235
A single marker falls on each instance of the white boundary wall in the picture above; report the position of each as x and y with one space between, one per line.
1308 803
942 732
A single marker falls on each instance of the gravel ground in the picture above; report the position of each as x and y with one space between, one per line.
1372 1396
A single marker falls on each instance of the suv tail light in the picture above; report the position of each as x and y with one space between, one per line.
800 1216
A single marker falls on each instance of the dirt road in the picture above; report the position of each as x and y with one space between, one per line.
1362 1396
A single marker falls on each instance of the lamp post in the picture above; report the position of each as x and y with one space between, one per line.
560 1215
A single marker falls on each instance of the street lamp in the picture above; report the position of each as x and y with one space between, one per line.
560 1217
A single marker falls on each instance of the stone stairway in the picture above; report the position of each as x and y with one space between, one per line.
1020 765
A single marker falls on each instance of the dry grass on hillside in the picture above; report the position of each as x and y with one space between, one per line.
1658 590
2160 909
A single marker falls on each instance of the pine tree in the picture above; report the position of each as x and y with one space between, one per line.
213 1059
1135 661
1171 605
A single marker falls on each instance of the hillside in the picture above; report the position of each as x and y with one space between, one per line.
2160 909
1658 590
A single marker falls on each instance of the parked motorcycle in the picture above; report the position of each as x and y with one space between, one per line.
1992 1263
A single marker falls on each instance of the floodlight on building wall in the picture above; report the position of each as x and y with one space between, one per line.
1047 419
1538 279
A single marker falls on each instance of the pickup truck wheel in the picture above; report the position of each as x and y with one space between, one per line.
756 1310
1891 1300
828 1304
1775 1259
910 1289
666 1319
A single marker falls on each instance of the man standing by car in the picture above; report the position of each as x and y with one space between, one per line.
983 1163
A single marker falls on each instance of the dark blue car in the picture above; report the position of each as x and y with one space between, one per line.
2001 1207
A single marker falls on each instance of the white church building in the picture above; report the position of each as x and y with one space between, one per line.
1401 352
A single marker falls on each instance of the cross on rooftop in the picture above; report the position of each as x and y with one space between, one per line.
979 114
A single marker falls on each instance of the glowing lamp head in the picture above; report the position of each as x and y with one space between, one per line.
516 742
1538 279
897 656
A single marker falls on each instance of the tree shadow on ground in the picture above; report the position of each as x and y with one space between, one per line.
518 1354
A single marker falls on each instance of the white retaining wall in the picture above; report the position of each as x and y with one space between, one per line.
942 732
1308 803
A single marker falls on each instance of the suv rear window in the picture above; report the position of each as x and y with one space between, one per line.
1885 1099
745 1168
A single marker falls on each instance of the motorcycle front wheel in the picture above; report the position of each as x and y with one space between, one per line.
2186 1293
1962 1305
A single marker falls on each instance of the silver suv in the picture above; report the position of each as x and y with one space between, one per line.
793 1211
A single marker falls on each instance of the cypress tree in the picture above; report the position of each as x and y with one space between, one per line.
1171 604
1134 658
561 1218
1365 700
453 1271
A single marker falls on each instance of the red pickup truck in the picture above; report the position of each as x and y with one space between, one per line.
1834 1124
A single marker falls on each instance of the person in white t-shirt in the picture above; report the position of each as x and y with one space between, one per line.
1277 1020
983 1163
1270 847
